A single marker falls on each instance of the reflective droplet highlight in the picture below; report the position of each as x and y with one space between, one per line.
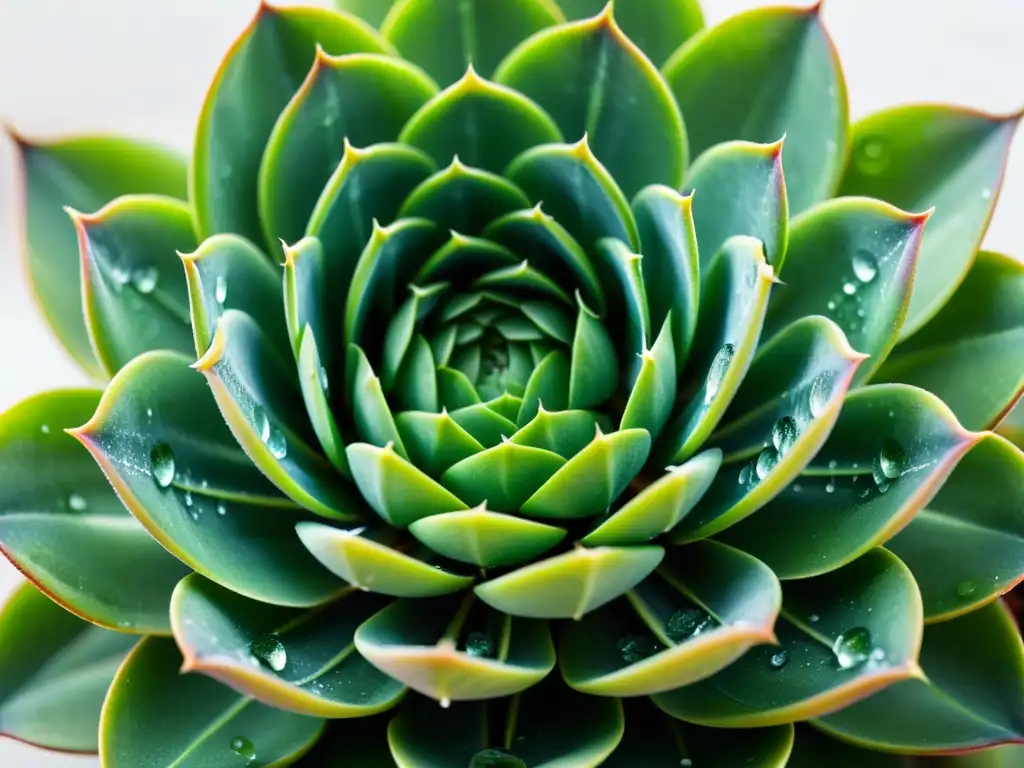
966 588
685 623
480 644
242 747
865 266
892 460
636 648
853 647
766 461
325 385
779 659
222 508
821 392
277 444
220 290
145 279
784 434
161 461
77 502
270 650
872 155
716 374
496 758
849 288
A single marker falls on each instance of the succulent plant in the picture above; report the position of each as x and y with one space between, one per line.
455 417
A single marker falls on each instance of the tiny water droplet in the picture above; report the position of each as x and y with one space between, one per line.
779 659
45 429
892 459
986 194
77 502
480 644
270 650
496 758
242 747
635 648
830 487
120 275
222 508
325 385
277 444
821 392
220 290
161 460
966 588
745 474
784 434
766 461
865 266
149 414
831 306
853 647
685 623
445 703
872 155
145 279
716 374
188 499
849 288
797 488
813 618
832 464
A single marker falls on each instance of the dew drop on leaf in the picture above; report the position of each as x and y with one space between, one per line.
270 650
766 461
966 588
222 508
220 290
853 647
685 623
145 279
892 460
849 288
262 423
635 648
120 275
277 444
746 474
45 429
480 644
716 374
242 747
872 155
865 267
496 758
324 383
161 460
779 659
821 392
77 502
784 434
830 487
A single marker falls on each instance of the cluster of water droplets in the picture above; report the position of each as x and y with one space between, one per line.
684 624
853 648
142 279
847 305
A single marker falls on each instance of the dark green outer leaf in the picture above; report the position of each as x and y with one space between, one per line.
84 173
597 84
969 353
262 71
157 717
813 749
54 673
62 525
658 27
917 157
763 74
133 289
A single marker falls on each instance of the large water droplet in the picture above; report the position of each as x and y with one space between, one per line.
779 659
635 648
766 461
784 434
145 279
853 647
746 474
77 502
716 374
262 424
120 275
821 392
496 758
865 266
161 460
892 460
242 747
966 588
685 623
220 290
270 650
277 444
872 155
480 644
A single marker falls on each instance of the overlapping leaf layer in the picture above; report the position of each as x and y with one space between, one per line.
503 388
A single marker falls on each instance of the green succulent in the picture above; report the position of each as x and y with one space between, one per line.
441 366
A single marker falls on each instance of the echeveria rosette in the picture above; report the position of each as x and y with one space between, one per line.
490 338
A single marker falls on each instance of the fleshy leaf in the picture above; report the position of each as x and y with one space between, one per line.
62 525
257 393
740 190
670 264
133 290
363 740
852 260
988 529
970 699
660 506
918 157
628 317
459 121
779 419
700 612
229 272
54 672
763 74
593 373
589 730
435 441
160 440
504 476
85 174
563 432
813 749
446 36
845 635
967 353
370 409
341 100
455 648
654 391
889 453
578 72
315 384
658 27
484 538
375 560
306 660
571 584
156 716
549 383
262 72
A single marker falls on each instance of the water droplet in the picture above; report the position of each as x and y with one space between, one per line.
635 648
222 508
853 647
77 502
766 461
892 460
872 155
220 290
277 444
821 392
813 618
242 747
779 659
830 487
496 758
797 488
145 279
685 623
865 267
719 367
832 464
966 588
149 414
784 434
745 474
161 459
480 644
188 499
120 275
45 429
445 703
270 650
262 424
849 288
325 385
986 194
831 306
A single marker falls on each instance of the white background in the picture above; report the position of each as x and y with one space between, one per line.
141 67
